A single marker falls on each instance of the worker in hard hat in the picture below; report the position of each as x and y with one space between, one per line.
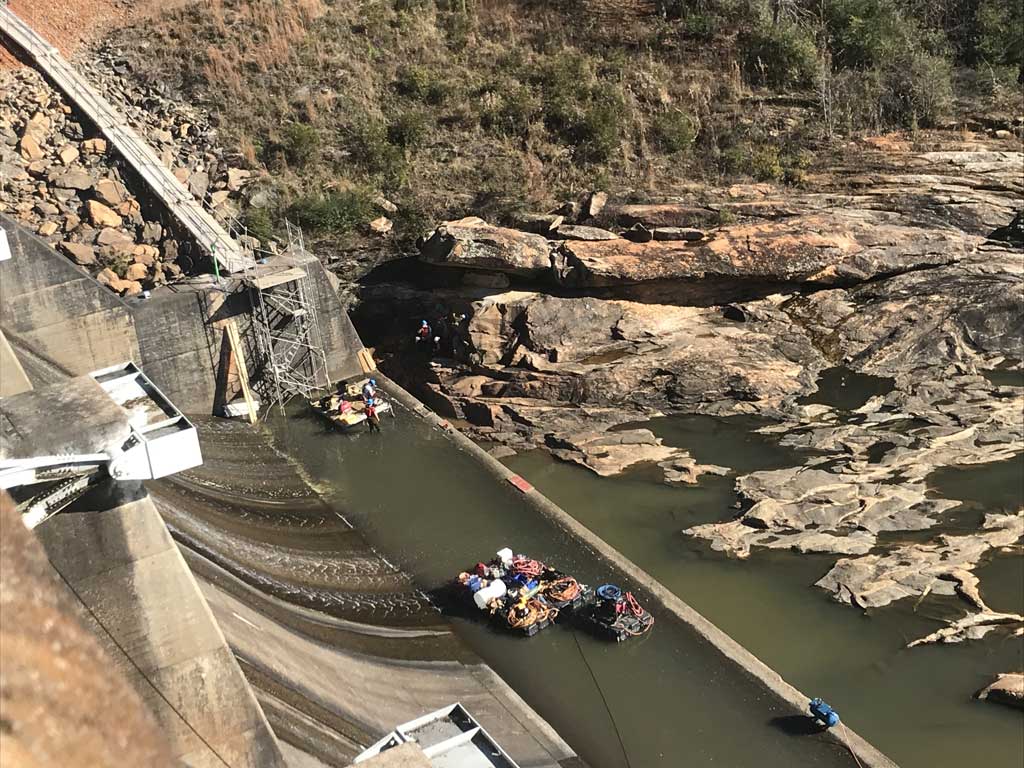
369 390
372 417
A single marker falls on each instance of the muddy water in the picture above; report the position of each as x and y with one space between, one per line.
915 705
667 699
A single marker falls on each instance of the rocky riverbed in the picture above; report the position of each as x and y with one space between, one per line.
903 263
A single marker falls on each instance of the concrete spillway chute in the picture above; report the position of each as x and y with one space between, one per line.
112 423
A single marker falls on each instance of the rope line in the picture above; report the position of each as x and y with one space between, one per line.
139 669
611 717
846 738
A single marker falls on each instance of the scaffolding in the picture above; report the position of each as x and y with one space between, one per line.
286 326
284 331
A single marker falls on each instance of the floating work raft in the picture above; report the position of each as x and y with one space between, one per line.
347 411
616 615
519 593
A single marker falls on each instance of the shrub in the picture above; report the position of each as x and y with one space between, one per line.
674 131
408 129
700 26
422 84
913 90
781 56
516 109
764 164
371 151
863 33
733 160
917 90
301 143
335 212
259 223
1000 33
597 132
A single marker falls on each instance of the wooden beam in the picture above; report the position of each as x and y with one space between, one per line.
238 358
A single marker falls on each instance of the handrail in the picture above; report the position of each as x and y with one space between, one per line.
135 150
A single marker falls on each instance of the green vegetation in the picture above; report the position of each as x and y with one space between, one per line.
337 212
450 108
301 144
780 56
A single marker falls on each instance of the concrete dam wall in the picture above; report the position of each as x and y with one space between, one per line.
60 321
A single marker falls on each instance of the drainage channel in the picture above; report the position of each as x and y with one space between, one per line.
669 699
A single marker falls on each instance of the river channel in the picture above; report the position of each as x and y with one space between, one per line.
668 699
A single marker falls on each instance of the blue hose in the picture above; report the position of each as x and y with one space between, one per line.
609 592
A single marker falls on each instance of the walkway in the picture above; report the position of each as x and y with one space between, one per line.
208 233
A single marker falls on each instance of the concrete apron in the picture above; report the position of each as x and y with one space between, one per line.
864 752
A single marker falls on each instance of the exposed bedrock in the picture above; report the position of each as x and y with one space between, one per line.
867 474
733 302
1005 689
940 567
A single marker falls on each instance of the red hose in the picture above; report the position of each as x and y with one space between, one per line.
527 567
634 606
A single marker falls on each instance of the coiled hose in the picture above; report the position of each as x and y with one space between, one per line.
527 567
533 611
563 590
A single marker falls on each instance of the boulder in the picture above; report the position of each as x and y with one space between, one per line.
837 247
110 192
74 179
131 210
678 233
67 154
538 223
109 278
198 184
663 215
219 197
152 232
237 178
101 215
580 232
30 149
113 237
382 225
916 569
145 254
130 287
609 453
638 233
80 253
595 204
47 228
471 243
94 146
9 171
137 271
1005 689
